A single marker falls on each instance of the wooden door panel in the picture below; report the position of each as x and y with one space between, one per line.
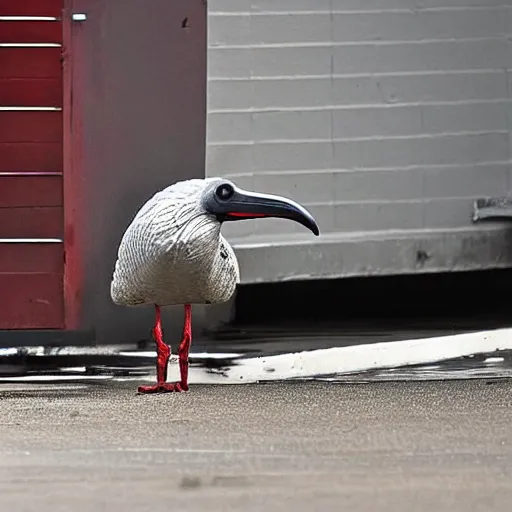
31 92
32 222
27 258
18 191
31 301
31 157
31 8
30 62
30 32
31 126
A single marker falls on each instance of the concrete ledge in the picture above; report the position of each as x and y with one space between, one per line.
294 257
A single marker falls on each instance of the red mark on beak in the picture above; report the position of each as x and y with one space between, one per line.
247 215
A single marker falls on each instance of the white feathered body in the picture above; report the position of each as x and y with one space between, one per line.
173 253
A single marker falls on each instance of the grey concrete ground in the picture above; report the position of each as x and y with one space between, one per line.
287 446
350 445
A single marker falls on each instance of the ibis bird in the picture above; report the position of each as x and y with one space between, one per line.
173 253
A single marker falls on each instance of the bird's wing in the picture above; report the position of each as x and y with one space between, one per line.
164 225
170 230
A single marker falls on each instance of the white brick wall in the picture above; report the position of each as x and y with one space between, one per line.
376 114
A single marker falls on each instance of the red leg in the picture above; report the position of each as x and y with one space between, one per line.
185 347
163 352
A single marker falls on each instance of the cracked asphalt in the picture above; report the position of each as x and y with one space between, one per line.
302 446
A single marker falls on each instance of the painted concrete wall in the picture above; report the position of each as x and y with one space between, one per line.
138 84
386 135
386 118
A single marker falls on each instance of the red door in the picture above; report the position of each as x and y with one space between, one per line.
31 164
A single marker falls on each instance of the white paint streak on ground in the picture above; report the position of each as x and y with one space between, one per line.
8 352
148 353
357 358
491 360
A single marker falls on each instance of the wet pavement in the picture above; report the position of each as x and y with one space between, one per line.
91 364
401 446
216 351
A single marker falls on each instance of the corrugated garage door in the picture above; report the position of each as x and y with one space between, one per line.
31 160
387 118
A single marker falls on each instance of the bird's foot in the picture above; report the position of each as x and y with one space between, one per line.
164 387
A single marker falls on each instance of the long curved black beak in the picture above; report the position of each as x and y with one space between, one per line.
251 205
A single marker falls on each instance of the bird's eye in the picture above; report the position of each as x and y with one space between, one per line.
224 191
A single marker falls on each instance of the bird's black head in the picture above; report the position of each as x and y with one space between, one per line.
228 203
